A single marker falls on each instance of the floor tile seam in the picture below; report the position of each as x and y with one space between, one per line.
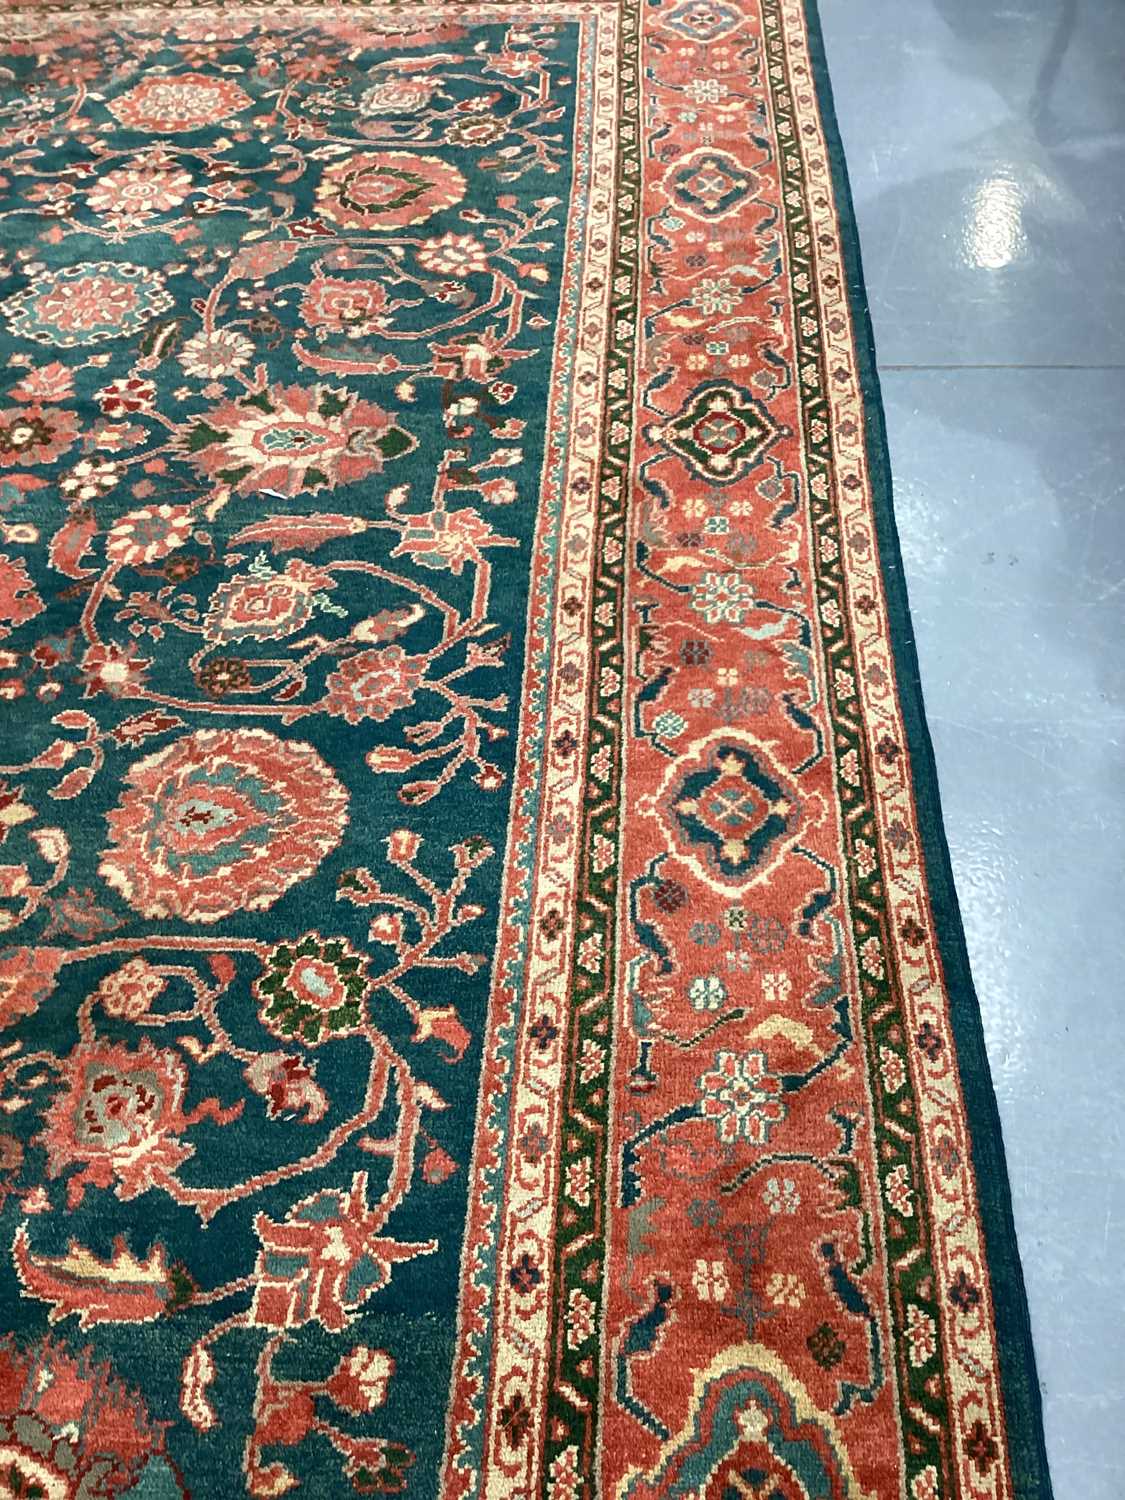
895 368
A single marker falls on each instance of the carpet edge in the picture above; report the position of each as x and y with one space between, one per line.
1023 1403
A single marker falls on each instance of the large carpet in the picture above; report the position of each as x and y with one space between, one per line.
484 1011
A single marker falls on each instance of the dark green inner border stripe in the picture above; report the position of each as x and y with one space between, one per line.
1023 1407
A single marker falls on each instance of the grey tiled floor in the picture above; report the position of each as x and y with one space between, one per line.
986 148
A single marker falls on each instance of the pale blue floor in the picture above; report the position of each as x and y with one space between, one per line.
986 148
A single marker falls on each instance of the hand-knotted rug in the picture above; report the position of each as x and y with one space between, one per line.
484 1010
